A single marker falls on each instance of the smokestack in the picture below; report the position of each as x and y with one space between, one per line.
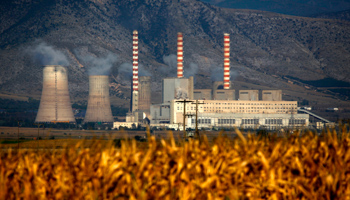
135 61
135 71
99 106
180 71
55 105
226 61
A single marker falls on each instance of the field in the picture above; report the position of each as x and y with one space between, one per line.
244 166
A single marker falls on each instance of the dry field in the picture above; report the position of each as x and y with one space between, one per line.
298 166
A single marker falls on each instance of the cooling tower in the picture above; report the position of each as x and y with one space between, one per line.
55 105
99 106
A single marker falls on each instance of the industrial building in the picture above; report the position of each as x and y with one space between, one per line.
219 107
99 106
55 105
237 113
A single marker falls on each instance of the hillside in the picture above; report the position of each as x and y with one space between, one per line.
267 49
341 15
289 7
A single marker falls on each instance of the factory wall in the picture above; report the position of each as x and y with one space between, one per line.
249 95
55 105
177 88
272 95
224 94
160 113
202 94
249 121
99 106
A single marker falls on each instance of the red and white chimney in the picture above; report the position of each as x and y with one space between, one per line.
135 62
180 67
226 61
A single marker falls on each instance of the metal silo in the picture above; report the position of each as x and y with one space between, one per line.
55 105
99 106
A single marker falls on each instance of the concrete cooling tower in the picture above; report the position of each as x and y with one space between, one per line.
99 106
55 105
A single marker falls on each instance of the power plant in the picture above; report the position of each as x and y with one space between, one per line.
55 105
99 106
220 106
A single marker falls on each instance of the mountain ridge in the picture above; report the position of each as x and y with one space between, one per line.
262 43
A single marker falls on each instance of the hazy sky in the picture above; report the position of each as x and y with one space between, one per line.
291 7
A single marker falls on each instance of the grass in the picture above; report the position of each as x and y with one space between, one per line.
298 166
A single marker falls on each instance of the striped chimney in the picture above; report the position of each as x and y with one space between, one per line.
135 62
226 61
180 67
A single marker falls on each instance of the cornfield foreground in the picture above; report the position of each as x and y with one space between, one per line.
251 167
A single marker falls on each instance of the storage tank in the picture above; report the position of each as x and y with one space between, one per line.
55 105
99 106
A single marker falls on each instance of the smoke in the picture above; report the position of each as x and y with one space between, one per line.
191 70
45 54
217 73
125 71
98 66
171 62
171 69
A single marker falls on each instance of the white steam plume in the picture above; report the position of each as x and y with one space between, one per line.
125 71
217 73
45 54
171 62
98 66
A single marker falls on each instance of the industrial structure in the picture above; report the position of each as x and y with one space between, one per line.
219 107
55 105
99 106
145 94
141 92
180 53
135 71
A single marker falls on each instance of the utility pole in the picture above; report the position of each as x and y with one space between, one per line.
197 132
184 115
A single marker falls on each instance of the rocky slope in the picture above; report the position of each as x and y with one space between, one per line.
289 7
265 47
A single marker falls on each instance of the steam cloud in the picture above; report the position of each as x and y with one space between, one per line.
125 71
98 66
171 62
45 54
191 70
171 70
217 73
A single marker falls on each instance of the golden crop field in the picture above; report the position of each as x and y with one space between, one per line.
297 166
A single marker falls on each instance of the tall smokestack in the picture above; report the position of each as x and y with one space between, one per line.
180 68
135 71
226 61
99 106
55 105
